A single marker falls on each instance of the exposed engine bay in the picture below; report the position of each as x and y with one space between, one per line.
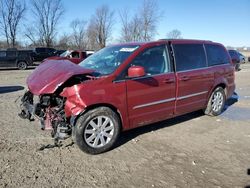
49 109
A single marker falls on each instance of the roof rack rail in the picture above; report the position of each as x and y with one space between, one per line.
185 39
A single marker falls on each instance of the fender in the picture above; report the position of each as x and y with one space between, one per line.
82 96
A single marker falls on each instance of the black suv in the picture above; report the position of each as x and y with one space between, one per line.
41 53
16 58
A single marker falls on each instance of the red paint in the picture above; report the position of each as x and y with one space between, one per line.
136 71
49 75
127 94
81 56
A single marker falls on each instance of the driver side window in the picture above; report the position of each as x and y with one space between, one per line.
154 60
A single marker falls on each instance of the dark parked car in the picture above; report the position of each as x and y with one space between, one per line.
16 58
128 85
235 56
39 54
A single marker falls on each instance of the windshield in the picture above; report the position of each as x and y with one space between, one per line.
108 59
65 54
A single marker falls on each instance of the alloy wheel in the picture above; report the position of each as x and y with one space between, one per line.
217 101
99 131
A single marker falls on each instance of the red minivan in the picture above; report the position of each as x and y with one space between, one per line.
125 86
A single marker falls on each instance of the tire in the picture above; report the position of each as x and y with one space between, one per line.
97 130
22 65
216 102
237 67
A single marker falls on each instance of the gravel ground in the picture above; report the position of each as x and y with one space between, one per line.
189 151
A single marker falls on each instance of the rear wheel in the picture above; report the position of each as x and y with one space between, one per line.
97 130
216 102
21 65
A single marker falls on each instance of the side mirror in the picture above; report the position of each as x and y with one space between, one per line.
136 71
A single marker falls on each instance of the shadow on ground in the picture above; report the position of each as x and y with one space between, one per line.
131 134
231 100
10 68
9 89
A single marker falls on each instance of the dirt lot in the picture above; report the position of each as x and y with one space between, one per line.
190 151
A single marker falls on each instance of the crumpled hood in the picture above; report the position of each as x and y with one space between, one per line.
49 75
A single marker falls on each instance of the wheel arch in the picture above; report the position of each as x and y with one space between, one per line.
112 107
221 84
21 60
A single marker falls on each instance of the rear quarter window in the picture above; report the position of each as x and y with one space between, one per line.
216 55
189 56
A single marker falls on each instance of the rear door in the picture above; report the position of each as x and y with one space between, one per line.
3 59
194 79
41 54
151 98
11 57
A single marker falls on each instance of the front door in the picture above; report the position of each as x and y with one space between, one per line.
151 98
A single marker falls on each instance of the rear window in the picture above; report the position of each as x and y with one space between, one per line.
216 55
189 56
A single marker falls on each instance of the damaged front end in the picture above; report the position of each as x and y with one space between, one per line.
45 100
49 110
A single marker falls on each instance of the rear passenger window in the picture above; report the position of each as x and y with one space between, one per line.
11 53
216 55
2 54
41 50
189 56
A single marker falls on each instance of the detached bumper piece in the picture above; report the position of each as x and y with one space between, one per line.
49 110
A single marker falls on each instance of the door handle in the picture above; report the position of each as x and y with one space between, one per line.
169 80
184 78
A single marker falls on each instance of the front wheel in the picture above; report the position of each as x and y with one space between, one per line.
97 130
216 102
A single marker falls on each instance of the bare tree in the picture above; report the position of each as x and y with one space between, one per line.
141 26
91 38
31 34
79 33
131 28
12 12
64 42
125 26
174 34
47 14
100 26
150 16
